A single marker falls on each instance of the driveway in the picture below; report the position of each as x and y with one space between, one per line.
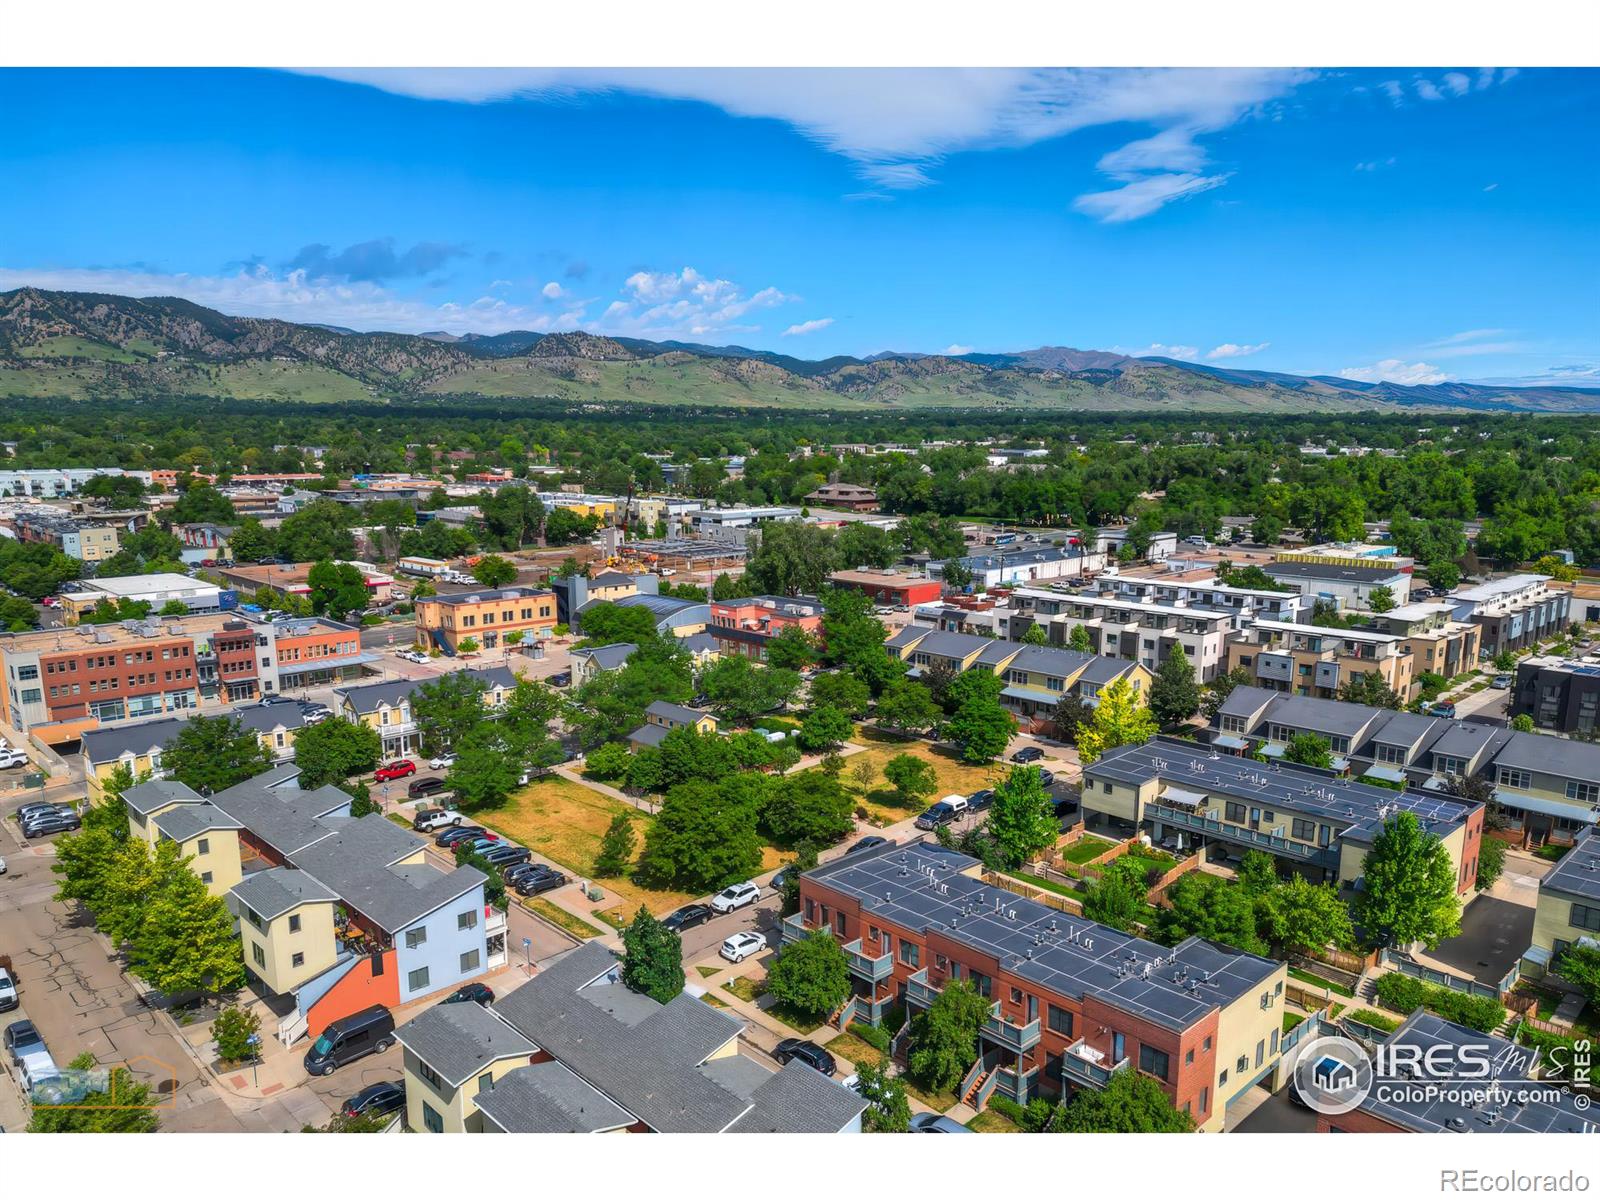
1494 933
1275 1114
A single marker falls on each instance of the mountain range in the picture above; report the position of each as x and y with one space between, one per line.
80 345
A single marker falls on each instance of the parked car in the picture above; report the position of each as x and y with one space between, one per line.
273 698
540 881
519 871
687 917
980 800
937 1123
460 833
741 946
2 865
30 1057
415 656
370 1031
8 991
443 763
561 679
483 843
1027 754
942 813
736 896
429 819
38 808
477 993
1046 778
1500 681
312 713
1440 708
813 1055
12 758
871 842
399 769
376 1100
51 823
781 879
502 855
431 786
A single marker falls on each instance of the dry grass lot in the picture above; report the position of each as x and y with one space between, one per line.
879 747
565 821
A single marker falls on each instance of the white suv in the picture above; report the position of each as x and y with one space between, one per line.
737 896
436 818
741 946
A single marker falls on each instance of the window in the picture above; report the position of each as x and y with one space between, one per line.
1016 995
468 919
418 979
415 938
1587 792
1261 1052
910 953
258 954
254 918
1222 1078
1585 917
1206 1045
485 1084
205 876
1153 1062
203 846
1205 1099
1234 812
1303 830
297 960
431 1120
1188 1058
1513 778
1243 1064
469 961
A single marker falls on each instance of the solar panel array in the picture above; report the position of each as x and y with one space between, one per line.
1578 872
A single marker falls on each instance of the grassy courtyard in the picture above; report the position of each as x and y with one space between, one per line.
878 798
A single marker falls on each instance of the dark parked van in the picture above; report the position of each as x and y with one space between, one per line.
370 1031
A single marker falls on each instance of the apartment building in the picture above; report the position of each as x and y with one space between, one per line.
1316 660
1346 584
1313 821
1025 565
1136 630
1203 591
155 590
486 617
1547 789
1569 905
1398 1103
1072 1002
139 745
746 625
1514 612
848 496
87 541
386 706
889 587
708 522
590 663
1557 693
1112 538
204 540
337 913
1439 644
305 652
53 483
574 1051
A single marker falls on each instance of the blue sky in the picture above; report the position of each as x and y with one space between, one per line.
1417 225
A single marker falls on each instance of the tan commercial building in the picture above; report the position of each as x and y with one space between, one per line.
486 617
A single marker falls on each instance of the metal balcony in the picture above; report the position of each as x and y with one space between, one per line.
1018 1038
874 969
793 929
1085 1070
1239 836
919 990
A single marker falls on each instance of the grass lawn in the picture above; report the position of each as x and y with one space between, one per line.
1318 981
1290 1020
989 1121
576 926
714 1001
848 1045
1049 885
938 1101
1376 1019
878 798
612 917
744 987
398 820
750 991
708 972
1086 848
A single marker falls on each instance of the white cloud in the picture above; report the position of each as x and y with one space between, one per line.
1449 86
956 350
1427 90
1456 83
1491 187
895 126
1144 196
1376 164
806 327
1234 350
1159 350
1394 370
1392 89
664 304
552 291
1472 343
1582 375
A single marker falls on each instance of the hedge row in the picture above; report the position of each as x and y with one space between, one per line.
1404 994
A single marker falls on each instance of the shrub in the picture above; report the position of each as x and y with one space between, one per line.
873 1036
1404 994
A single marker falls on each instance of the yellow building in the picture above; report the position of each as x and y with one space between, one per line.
1569 905
385 707
286 926
453 1054
1248 1033
485 616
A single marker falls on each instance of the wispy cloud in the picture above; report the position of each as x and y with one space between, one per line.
806 327
1376 164
552 291
956 350
1450 86
367 262
1579 375
661 304
1234 350
896 126
1394 370
1471 343
1158 350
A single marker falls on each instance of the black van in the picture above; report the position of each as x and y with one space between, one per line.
370 1031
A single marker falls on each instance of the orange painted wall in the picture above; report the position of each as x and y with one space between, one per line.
359 989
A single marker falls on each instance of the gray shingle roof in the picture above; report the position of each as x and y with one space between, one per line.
280 818
649 735
368 696
274 892
137 737
608 658
1550 755
1247 701
548 1098
1323 716
263 718
1047 660
1315 570
357 861
459 1040
797 1099
191 820
145 798
678 714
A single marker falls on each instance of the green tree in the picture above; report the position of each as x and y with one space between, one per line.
740 692
793 649
1522 723
1209 907
512 517
981 728
1174 695
606 624
944 1037
485 772
1299 914
1035 636
1309 750
851 633
184 941
337 588
1221 687
211 754
1409 887
835 689
319 531
652 958
912 777
1130 1103
1443 575
824 728
1258 873
1114 900
616 848
251 541
334 750
1119 720
1381 599
888 1109
493 571
607 762
811 976
361 801
1580 966
124 1106
791 558
1491 862
908 706
232 1031
811 807
1079 640
1368 687
201 502
446 709
1022 821
704 836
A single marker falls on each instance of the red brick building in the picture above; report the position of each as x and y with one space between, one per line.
745 626
890 587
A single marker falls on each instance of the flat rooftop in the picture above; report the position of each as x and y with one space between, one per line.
921 886
67 639
142 585
1351 805
1578 872
1332 571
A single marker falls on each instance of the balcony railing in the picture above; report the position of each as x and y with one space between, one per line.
1020 1038
793 929
873 968
1014 1087
1320 856
919 990
1083 1069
